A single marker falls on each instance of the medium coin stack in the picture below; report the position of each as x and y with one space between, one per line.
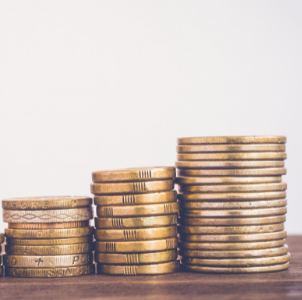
48 236
233 204
136 227
1 241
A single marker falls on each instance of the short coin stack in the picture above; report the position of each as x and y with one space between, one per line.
1 241
233 204
48 236
136 227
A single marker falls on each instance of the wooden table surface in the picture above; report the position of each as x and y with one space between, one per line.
280 285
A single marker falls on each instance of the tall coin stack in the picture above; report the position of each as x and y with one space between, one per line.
48 236
136 227
1 241
233 204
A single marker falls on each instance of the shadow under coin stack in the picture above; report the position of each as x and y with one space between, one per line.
1 241
136 227
233 204
48 236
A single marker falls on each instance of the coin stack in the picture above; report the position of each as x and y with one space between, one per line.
233 204
48 236
1 241
136 227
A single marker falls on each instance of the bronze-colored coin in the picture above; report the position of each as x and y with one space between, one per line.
49 250
136 246
48 233
140 174
50 272
40 203
48 225
196 238
232 140
234 188
138 210
135 234
132 187
1 270
135 258
150 269
48 216
138 222
1 239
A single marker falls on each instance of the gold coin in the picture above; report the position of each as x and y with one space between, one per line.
53 261
232 221
234 237
50 272
135 234
48 233
136 246
138 210
49 250
1 270
202 269
132 187
48 216
233 140
138 222
40 242
240 188
48 225
1 239
141 174
237 230
135 258
150 269
55 202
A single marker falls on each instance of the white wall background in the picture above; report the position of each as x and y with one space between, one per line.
94 85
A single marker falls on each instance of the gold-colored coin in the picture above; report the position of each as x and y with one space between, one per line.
240 188
138 210
40 203
49 250
232 140
1 239
138 222
50 242
132 187
53 261
196 238
50 272
48 233
135 234
1 270
140 174
136 246
150 269
48 225
48 216
135 258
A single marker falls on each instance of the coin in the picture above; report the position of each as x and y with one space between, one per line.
136 246
49 250
1 239
47 216
135 258
150 269
40 242
138 210
135 234
50 272
132 187
48 233
40 203
140 174
138 222
48 225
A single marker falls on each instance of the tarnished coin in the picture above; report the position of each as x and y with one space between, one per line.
1 238
140 174
136 246
40 203
135 234
138 210
132 187
138 222
135 258
48 225
150 269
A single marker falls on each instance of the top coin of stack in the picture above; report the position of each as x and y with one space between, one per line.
48 236
136 227
233 203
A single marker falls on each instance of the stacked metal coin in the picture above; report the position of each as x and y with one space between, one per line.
136 227
48 236
1 241
233 204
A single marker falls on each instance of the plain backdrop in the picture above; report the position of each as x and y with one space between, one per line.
96 85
